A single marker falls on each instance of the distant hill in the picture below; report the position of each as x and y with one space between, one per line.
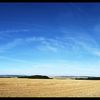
64 77
77 77
25 76
9 76
51 77
35 77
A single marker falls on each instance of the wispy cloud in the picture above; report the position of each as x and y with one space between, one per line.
77 43
8 33
96 28
87 43
32 39
47 48
17 60
10 45
11 59
82 41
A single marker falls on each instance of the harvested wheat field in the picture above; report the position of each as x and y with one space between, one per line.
13 87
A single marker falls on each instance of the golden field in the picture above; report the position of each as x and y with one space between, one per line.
15 87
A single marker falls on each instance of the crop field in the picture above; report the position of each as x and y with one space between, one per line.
17 87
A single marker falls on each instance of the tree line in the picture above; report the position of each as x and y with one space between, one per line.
35 77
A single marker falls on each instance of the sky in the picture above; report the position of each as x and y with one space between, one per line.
50 39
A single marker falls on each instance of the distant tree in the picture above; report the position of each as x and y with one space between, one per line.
88 78
35 77
93 78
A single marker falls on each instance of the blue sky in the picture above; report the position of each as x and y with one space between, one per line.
50 38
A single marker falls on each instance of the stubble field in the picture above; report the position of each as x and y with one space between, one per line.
14 87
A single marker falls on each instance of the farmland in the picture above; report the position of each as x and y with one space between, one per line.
17 87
